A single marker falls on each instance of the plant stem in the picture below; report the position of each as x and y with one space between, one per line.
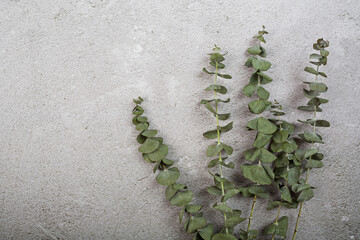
308 170
251 213
218 137
276 221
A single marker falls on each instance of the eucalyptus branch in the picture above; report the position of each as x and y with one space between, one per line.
312 155
286 171
223 187
154 151
261 174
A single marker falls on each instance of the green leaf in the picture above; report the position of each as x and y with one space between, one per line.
149 133
261 64
249 90
217 88
261 140
305 195
300 187
265 126
142 126
172 189
226 183
292 175
195 223
310 94
213 163
221 236
281 136
310 108
262 93
182 198
258 191
210 108
159 153
289 146
285 194
250 154
226 76
228 165
255 50
264 79
207 232
193 208
324 52
311 70
319 123
256 173
315 56
149 145
231 193
266 156
168 176
248 62
226 128
318 87
214 191
314 164
203 101
270 229
138 111
282 161
135 121
222 208
258 106
140 138
234 219
205 70
263 52
214 150
228 149
212 134
252 124
323 74
142 119
311 137
282 227
224 116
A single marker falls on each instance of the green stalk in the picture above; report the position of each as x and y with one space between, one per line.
218 137
276 221
251 213
308 170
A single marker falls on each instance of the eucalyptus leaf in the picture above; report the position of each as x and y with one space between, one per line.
207 232
265 126
255 50
256 173
258 106
149 145
261 64
226 128
214 150
311 70
253 124
228 149
159 153
231 193
250 89
142 126
182 198
149 133
168 176
262 93
224 116
281 136
222 208
261 140
195 223
318 87
314 164
212 134
193 208
285 194
214 191
305 195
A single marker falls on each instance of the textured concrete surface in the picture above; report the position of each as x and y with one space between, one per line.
69 165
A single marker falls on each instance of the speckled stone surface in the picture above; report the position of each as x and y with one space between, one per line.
69 166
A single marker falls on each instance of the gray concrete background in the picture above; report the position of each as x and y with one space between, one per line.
70 168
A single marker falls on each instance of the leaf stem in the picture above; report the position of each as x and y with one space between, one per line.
251 213
218 137
308 170
276 221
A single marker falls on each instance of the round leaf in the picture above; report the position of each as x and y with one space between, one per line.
168 176
149 145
